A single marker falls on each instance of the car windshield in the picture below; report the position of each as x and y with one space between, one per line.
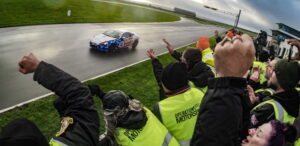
112 33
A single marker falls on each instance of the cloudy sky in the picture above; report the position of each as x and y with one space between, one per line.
256 14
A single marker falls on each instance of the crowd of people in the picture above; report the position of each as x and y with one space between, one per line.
210 96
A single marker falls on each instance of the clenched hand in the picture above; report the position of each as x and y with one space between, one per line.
233 57
28 64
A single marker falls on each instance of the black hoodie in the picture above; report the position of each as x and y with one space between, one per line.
263 114
199 74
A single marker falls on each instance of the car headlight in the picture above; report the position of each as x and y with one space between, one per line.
104 43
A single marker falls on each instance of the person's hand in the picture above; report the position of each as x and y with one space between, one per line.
252 96
151 54
169 46
233 57
294 42
28 64
297 44
96 90
255 75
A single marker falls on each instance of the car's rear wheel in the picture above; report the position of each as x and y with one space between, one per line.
135 43
112 48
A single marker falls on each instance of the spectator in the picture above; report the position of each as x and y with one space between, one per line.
129 123
179 111
207 52
273 133
284 104
273 48
217 37
80 120
22 132
198 72
224 108
261 63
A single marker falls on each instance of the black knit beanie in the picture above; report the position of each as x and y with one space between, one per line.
174 76
287 73
115 98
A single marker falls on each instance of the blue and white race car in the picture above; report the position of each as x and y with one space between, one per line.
114 39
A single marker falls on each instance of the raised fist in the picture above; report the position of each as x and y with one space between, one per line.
28 64
233 57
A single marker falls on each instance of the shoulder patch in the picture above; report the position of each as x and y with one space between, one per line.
65 122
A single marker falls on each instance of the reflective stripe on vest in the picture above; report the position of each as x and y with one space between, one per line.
280 113
179 114
184 142
167 139
153 133
54 142
270 90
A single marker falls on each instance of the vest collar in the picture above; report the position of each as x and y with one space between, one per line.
178 91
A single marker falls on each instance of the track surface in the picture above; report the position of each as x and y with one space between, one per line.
66 46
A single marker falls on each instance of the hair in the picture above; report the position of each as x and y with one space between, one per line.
263 56
112 120
281 134
192 56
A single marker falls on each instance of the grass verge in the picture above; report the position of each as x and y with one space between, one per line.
29 12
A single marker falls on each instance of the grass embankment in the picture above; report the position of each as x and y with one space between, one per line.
137 80
30 12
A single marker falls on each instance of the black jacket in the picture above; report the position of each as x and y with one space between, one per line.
199 73
223 111
74 101
263 114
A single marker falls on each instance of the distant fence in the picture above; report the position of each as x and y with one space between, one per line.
185 12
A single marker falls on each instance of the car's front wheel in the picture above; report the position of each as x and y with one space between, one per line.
112 48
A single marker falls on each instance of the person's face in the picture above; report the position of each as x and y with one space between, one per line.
270 69
260 137
216 33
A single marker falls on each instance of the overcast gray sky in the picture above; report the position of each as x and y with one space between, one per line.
256 14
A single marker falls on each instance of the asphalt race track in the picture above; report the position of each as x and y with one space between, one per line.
67 46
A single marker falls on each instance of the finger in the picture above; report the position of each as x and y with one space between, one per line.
166 42
226 39
22 70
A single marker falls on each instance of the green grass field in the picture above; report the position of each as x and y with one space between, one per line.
30 12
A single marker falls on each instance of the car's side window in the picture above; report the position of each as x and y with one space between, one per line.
126 35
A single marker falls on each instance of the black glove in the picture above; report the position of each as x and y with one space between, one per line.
96 90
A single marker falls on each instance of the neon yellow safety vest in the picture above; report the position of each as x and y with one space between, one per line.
280 113
203 90
179 114
298 89
54 142
154 133
270 90
263 70
207 57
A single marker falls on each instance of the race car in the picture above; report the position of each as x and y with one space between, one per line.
114 39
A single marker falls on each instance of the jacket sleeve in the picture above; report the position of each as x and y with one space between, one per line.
220 118
74 100
157 70
261 115
176 55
